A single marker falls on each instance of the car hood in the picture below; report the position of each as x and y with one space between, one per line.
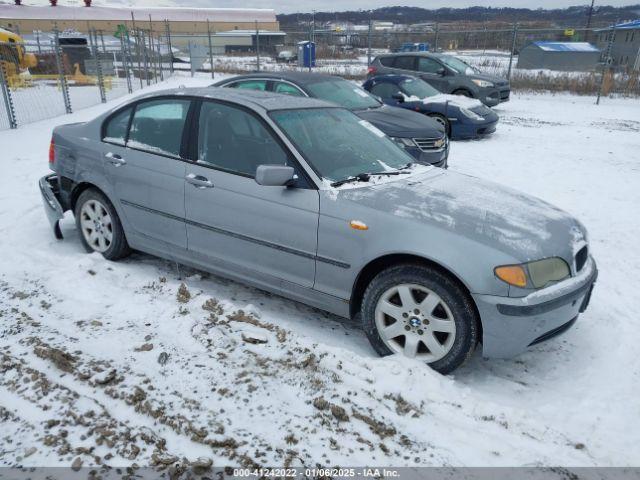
522 226
398 122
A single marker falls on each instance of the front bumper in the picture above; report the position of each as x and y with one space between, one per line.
511 325
465 131
50 191
495 96
437 158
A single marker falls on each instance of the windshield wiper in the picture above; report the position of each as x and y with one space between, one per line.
364 177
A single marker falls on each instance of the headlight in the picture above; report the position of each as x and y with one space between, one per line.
440 143
537 274
469 114
404 142
482 83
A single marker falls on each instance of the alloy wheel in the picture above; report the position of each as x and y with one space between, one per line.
415 321
96 225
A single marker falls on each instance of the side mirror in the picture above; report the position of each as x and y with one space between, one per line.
275 175
398 96
442 71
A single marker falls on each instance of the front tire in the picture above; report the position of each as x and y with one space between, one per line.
420 312
444 121
463 92
99 226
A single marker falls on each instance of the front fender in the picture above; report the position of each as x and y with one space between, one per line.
347 251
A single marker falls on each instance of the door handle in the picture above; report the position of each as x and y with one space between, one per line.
115 159
198 181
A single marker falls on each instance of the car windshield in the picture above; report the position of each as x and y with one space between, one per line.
339 145
418 88
344 93
458 65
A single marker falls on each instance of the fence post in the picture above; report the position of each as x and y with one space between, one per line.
191 59
64 86
168 33
129 59
145 57
93 38
513 49
369 40
159 58
125 63
8 101
257 46
312 37
435 47
137 35
152 54
612 35
38 32
210 48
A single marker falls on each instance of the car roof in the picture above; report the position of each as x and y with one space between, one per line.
392 77
411 54
268 101
300 78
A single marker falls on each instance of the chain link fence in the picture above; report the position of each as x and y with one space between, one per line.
496 51
53 73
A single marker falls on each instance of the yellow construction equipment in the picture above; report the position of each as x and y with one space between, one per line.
14 59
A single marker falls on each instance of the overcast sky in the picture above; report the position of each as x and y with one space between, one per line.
290 6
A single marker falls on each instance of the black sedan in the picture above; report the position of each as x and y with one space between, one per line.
423 137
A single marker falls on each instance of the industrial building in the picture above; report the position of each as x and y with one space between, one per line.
561 56
625 49
27 19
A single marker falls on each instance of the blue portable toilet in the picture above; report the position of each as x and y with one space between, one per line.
414 47
307 54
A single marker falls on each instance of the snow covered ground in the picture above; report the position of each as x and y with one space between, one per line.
139 361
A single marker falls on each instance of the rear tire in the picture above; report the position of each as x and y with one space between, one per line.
444 121
436 319
99 226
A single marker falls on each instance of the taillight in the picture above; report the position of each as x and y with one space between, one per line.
371 70
52 152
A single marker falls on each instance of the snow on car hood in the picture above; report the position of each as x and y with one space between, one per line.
523 226
455 100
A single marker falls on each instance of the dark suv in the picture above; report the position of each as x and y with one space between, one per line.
446 73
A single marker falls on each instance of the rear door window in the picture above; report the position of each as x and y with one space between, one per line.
385 90
405 63
115 130
157 126
250 85
287 89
